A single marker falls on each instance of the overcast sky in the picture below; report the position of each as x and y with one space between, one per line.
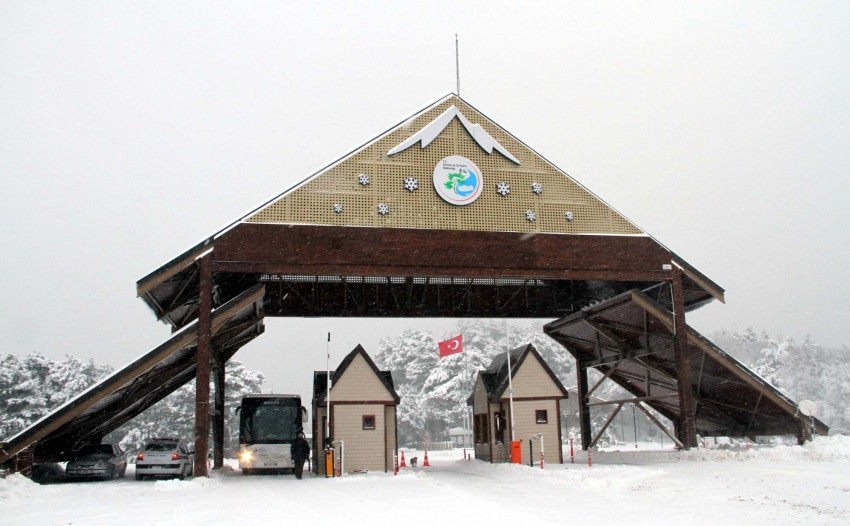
131 130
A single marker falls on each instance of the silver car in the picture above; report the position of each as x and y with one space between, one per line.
97 461
164 457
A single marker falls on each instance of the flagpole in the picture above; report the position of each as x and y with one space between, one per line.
466 419
510 381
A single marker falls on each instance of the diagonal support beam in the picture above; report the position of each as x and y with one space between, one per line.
599 382
660 425
606 424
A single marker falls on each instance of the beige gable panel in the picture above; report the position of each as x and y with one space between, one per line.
313 201
364 449
532 380
359 382
526 427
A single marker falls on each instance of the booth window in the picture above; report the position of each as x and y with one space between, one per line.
482 436
500 421
368 422
541 416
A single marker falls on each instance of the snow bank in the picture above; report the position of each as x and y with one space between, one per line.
16 487
822 449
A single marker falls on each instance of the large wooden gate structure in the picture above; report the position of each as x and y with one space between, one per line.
444 215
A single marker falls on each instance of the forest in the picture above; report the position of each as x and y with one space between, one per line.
433 391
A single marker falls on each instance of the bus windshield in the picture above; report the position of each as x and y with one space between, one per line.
269 420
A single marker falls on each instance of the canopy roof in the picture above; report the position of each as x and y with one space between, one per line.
116 399
629 339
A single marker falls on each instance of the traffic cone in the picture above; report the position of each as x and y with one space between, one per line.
426 463
403 464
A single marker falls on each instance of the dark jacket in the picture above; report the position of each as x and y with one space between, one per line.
300 449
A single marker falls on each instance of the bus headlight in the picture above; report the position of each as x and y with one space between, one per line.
245 456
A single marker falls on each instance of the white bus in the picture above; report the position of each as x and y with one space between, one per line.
268 424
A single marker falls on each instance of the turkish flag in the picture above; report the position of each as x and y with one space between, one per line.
451 346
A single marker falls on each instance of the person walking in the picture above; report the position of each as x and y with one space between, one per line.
300 451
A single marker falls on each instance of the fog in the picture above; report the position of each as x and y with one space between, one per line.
131 130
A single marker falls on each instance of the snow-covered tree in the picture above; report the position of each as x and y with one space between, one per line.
70 377
21 400
32 386
803 371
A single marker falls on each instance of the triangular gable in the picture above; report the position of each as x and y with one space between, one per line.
390 182
533 377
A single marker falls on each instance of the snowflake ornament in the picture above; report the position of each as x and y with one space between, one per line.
411 184
503 189
363 179
338 208
383 209
530 215
568 216
537 188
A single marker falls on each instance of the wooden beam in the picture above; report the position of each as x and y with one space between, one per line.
202 377
683 366
218 415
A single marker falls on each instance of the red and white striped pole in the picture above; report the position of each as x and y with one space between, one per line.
572 453
541 450
589 459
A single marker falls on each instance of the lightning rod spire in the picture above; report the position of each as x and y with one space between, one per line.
457 65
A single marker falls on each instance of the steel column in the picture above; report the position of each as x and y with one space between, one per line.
583 407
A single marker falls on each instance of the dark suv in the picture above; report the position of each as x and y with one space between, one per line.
164 457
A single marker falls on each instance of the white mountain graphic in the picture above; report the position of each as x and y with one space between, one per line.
436 127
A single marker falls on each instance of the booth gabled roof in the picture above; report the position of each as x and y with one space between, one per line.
495 377
320 378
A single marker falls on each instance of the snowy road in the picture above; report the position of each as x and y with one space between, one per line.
785 485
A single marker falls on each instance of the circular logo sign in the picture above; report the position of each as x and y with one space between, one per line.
458 180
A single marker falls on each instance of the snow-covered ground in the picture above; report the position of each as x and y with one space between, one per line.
753 486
